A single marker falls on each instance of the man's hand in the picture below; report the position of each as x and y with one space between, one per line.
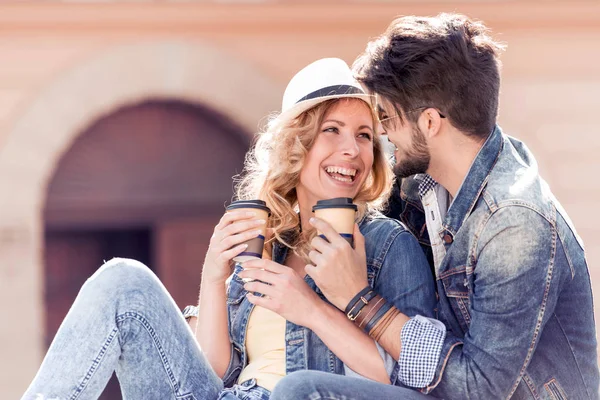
339 270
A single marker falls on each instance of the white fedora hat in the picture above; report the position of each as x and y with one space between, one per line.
324 79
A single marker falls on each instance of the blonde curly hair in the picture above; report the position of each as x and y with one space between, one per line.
272 172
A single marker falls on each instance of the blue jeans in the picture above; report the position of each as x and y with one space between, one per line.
317 385
124 320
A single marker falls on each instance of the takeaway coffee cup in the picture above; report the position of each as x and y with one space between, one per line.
255 246
339 213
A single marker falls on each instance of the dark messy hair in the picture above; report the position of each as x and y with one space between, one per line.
447 62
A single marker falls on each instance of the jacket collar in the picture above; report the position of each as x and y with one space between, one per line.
474 183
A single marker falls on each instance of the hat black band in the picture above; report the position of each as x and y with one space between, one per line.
332 91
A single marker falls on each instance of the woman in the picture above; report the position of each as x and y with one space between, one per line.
267 318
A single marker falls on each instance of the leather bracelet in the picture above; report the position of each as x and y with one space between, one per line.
359 305
356 298
380 329
377 317
381 324
369 311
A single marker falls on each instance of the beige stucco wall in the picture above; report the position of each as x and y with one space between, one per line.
63 65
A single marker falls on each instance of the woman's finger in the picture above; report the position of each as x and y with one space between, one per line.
327 230
229 254
260 287
258 274
316 257
232 216
241 226
320 244
233 240
267 265
264 302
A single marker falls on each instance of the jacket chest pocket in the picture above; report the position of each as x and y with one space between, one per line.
456 287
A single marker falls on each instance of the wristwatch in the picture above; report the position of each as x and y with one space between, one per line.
189 312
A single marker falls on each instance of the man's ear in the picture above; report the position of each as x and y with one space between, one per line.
430 122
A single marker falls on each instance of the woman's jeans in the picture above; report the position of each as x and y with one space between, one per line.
124 320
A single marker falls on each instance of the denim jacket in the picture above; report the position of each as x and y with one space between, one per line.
514 287
396 269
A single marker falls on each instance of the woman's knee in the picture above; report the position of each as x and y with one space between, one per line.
123 273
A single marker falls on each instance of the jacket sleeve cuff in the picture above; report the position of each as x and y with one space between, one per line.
422 341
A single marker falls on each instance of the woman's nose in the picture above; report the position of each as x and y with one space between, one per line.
351 147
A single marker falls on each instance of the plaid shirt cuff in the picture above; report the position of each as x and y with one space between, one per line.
422 340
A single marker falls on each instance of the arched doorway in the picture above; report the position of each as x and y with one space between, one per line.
39 135
147 181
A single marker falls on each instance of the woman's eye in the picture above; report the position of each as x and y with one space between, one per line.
365 135
331 129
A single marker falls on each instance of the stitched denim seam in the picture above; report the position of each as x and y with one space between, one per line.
483 224
464 309
564 249
473 202
331 361
531 386
489 201
573 353
141 319
507 204
452 271
542 309
520 203
95 364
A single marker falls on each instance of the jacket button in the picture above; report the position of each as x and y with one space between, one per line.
448 238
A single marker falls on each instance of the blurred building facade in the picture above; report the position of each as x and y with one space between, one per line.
121 125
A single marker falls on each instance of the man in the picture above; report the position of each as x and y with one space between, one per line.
512 279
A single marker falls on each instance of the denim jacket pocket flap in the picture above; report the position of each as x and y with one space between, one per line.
235 291
456 282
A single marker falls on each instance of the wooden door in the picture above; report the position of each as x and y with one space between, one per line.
180 247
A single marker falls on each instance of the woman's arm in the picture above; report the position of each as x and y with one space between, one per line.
287 294
350 344
211 327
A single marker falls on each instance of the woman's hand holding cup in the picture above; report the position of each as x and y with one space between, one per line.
229 239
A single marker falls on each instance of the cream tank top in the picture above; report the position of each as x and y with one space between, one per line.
265 345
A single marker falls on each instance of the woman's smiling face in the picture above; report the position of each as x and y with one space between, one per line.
341 157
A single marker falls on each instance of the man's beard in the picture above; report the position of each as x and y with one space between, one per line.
416 159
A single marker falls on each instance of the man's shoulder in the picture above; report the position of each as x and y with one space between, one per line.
515 181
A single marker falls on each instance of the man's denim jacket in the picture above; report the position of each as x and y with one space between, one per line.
514 287
396 269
